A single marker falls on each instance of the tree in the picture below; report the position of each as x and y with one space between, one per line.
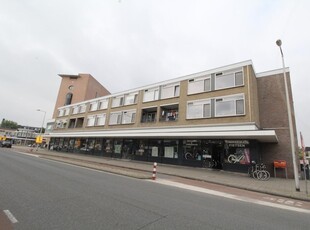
9 124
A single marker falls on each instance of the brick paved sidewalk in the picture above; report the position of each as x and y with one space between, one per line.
143 170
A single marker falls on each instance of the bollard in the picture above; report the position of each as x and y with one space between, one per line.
154 171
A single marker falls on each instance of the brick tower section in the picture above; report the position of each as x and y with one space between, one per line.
82 87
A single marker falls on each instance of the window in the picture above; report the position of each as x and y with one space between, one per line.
238 78
151 94
229 106
168 91
199 109
199 85
61 112
90 121
131 98
68 98
93 106
115 118
228 80
67 110
128 117
82 108
103 104
117 101
101 119
75 110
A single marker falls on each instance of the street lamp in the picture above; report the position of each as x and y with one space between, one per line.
290 121
41 130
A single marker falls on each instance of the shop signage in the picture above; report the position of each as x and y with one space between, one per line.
237 143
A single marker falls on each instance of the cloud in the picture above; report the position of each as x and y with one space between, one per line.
142 42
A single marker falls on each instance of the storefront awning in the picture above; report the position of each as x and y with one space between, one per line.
173 132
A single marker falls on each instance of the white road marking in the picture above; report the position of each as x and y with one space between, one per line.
10 216
229 196
29 154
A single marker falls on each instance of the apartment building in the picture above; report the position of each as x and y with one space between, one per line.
222 118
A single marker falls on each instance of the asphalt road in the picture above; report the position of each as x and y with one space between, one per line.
42 194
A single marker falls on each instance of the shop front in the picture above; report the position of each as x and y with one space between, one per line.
231 155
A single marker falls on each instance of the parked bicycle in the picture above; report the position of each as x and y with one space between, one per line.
209 163
258 171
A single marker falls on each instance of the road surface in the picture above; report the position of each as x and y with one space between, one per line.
37 193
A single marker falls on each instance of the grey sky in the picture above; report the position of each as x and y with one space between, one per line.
126 44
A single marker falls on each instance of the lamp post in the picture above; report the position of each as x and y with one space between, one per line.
41 130
290 121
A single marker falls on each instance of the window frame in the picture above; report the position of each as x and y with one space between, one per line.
200 81
232 74
135 98
103 104
199 103
155 94
131 113
117 101
174 88
104 117
231 98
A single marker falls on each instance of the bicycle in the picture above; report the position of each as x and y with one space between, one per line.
258 171
189 156
235 159
209 163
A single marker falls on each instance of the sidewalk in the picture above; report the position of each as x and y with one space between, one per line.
143 170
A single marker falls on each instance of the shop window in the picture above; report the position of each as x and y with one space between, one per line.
170 149
237 152
141 148
117 147
108 146
192 150
77 144
98 145
155 149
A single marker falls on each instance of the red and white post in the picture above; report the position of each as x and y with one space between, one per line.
154 171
